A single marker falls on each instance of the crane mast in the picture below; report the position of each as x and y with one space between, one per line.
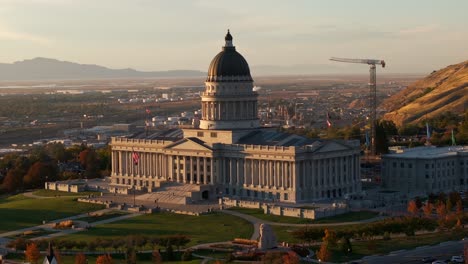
372 92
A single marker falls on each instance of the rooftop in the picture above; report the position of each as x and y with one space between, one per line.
429 152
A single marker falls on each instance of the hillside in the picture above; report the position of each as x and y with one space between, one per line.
441 91
51 69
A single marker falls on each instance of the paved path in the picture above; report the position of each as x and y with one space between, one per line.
47 226
256 222
32 195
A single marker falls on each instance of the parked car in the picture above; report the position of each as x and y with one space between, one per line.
457 259
439 262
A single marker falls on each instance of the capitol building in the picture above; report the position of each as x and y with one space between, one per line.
229 154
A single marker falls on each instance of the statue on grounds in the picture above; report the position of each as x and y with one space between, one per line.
267 238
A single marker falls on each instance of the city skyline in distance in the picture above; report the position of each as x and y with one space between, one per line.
415 37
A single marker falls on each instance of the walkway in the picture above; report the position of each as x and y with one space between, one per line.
256 222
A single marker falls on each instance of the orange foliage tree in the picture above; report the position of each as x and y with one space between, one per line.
104 259
323 254
32 253
80 258
427 209
413 207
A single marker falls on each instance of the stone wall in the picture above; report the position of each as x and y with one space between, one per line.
334 209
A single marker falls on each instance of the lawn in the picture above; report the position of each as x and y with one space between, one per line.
346 217
100 217
200 229
20 212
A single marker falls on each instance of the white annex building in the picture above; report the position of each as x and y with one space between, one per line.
425 170
231 155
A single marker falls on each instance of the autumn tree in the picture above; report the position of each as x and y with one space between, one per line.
427 209
104 259
412 207
38 174
58 256
291 258
441 210
330 237
32 253
89 160
13 180
156 257
323 254
80 258
459 207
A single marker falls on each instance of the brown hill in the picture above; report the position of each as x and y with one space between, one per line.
441 91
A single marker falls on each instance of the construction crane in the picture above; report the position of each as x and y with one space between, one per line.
372 92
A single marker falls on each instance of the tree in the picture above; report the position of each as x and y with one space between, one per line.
346 246
441 210
291 258
32 253
156 257
130 255
38 174
412 207
323 254
80 258
13 180
449 205
381 142
104 259
427 209
330 237
459 207
58 256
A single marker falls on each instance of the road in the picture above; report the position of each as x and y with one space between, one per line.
443 251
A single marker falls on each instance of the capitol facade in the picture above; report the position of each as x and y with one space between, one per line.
230 155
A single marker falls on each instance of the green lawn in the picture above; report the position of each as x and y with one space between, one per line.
105 216
52 193
200 229
20 212
347 217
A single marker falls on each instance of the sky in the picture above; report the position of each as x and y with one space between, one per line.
411 36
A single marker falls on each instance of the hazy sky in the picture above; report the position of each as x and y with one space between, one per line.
412 36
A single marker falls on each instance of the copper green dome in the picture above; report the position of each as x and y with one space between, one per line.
229 65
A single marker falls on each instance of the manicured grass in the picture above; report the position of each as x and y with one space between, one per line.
20 212
52 193
346 217
200 229
105 216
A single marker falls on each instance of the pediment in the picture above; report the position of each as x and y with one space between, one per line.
188 144
332 146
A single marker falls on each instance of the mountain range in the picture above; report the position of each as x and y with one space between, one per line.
441 91
52 69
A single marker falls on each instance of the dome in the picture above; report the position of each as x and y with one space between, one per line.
228 65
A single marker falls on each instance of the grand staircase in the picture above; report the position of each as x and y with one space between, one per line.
173 193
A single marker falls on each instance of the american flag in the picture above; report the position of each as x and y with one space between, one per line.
136 158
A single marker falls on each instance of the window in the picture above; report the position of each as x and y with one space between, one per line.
410 165
199 134
285 197
213 134
402 165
